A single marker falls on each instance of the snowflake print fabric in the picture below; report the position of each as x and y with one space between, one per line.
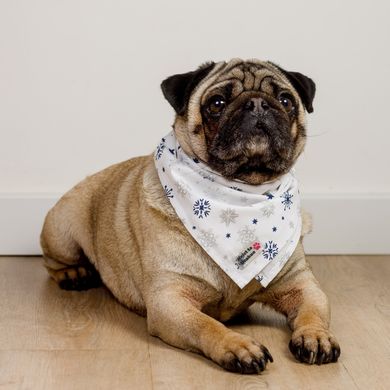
182 189
168 192
270 250
160 148
268 210
207 238
228 216
201 208
287 200
247 235
249 231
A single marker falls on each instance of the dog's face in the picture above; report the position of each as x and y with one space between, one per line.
244 119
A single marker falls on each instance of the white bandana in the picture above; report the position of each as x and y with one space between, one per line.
249 231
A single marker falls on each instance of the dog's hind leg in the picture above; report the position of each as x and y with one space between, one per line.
77 277
64 258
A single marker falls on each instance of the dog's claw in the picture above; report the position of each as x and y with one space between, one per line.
336 354
267 354
321 358
241 353
239 366
257 367
313 346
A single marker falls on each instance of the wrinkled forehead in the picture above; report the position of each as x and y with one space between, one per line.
238 76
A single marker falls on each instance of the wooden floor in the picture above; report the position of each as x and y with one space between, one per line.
54 339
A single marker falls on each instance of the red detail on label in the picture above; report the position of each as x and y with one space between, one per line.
256 246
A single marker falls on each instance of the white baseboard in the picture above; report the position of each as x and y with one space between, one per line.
342 224
348 224
21 219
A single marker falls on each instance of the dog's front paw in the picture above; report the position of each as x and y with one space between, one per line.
240 353
310 345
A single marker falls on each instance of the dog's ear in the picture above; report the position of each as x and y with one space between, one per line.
304 85
177 89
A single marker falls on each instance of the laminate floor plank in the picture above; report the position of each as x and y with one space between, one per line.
55 339
75 370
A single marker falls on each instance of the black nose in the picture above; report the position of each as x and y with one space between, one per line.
256 105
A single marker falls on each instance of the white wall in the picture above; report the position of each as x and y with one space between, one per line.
79 83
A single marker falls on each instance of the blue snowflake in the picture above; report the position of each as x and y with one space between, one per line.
269 196
202 208
254 221
160 149
228 235
270 250
274 229
287 202
168 191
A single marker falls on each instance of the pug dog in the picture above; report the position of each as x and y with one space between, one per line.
245 120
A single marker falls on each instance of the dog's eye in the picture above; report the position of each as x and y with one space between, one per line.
216 105
286 101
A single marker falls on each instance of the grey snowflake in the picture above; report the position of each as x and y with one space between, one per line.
244 199
216 192
228 216
207 238
207 175
202 208
287 202
247 235
269 210
160 149
182 189
291 225
270 250
259 277
168 191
